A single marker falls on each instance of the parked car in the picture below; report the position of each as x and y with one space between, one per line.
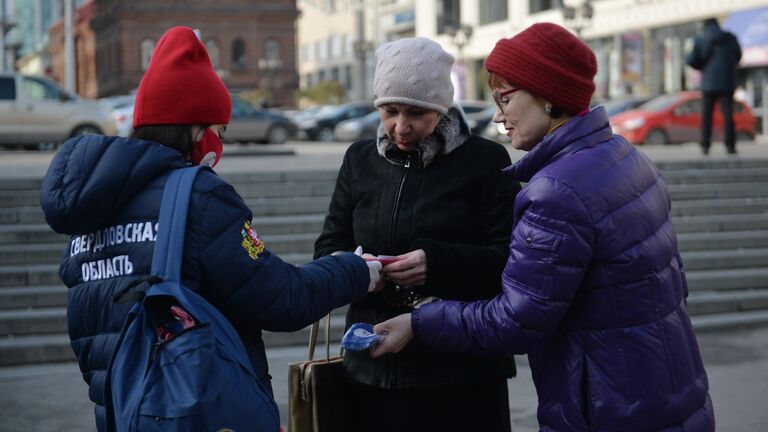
625 103
122 112
35 110
249 124
320 127
676 118
359 128
478 114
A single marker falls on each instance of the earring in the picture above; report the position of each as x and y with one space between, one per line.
547 108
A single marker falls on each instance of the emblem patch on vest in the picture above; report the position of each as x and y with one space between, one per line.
252 243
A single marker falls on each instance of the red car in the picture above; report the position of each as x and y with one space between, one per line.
676 118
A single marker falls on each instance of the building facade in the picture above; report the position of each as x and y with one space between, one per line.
640 44
251 44
337 40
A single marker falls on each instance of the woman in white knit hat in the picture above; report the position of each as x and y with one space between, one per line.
431 195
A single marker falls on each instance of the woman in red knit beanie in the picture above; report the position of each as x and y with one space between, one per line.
594 289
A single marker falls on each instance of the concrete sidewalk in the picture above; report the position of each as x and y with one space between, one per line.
54 397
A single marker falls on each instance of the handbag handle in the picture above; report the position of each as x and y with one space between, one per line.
313 338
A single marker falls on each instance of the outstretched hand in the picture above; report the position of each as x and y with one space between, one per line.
409 269
397 334
374 271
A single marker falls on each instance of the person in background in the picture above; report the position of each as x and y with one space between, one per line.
716 53
430 194
594 289
105 192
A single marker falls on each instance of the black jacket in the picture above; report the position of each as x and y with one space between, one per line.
717 54
458 209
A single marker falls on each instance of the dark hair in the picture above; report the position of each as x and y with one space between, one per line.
177 137
496 80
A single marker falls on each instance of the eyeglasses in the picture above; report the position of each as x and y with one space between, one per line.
497 97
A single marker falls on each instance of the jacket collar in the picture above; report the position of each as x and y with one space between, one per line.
451 132
580 132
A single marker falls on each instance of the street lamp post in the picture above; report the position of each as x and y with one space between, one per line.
577 15
460 36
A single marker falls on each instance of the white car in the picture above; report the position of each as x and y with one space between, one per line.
122 112
35 111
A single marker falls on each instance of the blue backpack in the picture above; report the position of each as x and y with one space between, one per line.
200 378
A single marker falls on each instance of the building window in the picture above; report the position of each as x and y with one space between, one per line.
272 50
238 54
308 82
321 77
335 74
147 48
345 45
213 52
542 5
492 11
448 13
335 46
322 50
348 77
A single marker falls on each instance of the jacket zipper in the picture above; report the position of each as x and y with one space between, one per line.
159 344
393 225
396 208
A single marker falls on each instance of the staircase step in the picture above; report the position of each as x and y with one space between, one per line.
719 206
695 164
30 349
33 321
681 192
716 175
704 303
721 240
31 253
30 233
717 322
735 279
725 259
714 223
31 274
33 296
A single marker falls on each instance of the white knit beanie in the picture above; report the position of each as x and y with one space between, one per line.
413 71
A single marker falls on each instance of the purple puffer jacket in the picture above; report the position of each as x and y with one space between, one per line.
594 291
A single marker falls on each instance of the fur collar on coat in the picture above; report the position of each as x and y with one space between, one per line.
451 131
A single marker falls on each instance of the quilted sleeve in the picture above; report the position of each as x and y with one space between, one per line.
551 248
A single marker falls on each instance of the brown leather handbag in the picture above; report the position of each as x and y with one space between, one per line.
316 389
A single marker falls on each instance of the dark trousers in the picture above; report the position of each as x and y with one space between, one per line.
726 107
482 406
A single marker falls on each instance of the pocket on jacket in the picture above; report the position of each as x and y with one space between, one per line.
536 236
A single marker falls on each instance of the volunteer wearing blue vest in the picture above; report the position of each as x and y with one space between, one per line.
105 192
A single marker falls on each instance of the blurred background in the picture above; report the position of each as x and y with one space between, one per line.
304 69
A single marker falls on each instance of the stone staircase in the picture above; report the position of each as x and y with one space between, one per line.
720 210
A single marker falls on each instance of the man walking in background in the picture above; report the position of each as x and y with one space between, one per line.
717 54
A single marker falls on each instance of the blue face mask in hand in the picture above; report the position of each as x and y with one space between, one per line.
360 337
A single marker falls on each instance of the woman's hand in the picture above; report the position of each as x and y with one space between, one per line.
397 334
410 269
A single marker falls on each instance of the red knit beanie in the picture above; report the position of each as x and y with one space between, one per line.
547 61
180 85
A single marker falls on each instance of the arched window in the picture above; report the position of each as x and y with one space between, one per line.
147 47
238 53
213 52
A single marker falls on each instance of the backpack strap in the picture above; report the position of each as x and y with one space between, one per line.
172 224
